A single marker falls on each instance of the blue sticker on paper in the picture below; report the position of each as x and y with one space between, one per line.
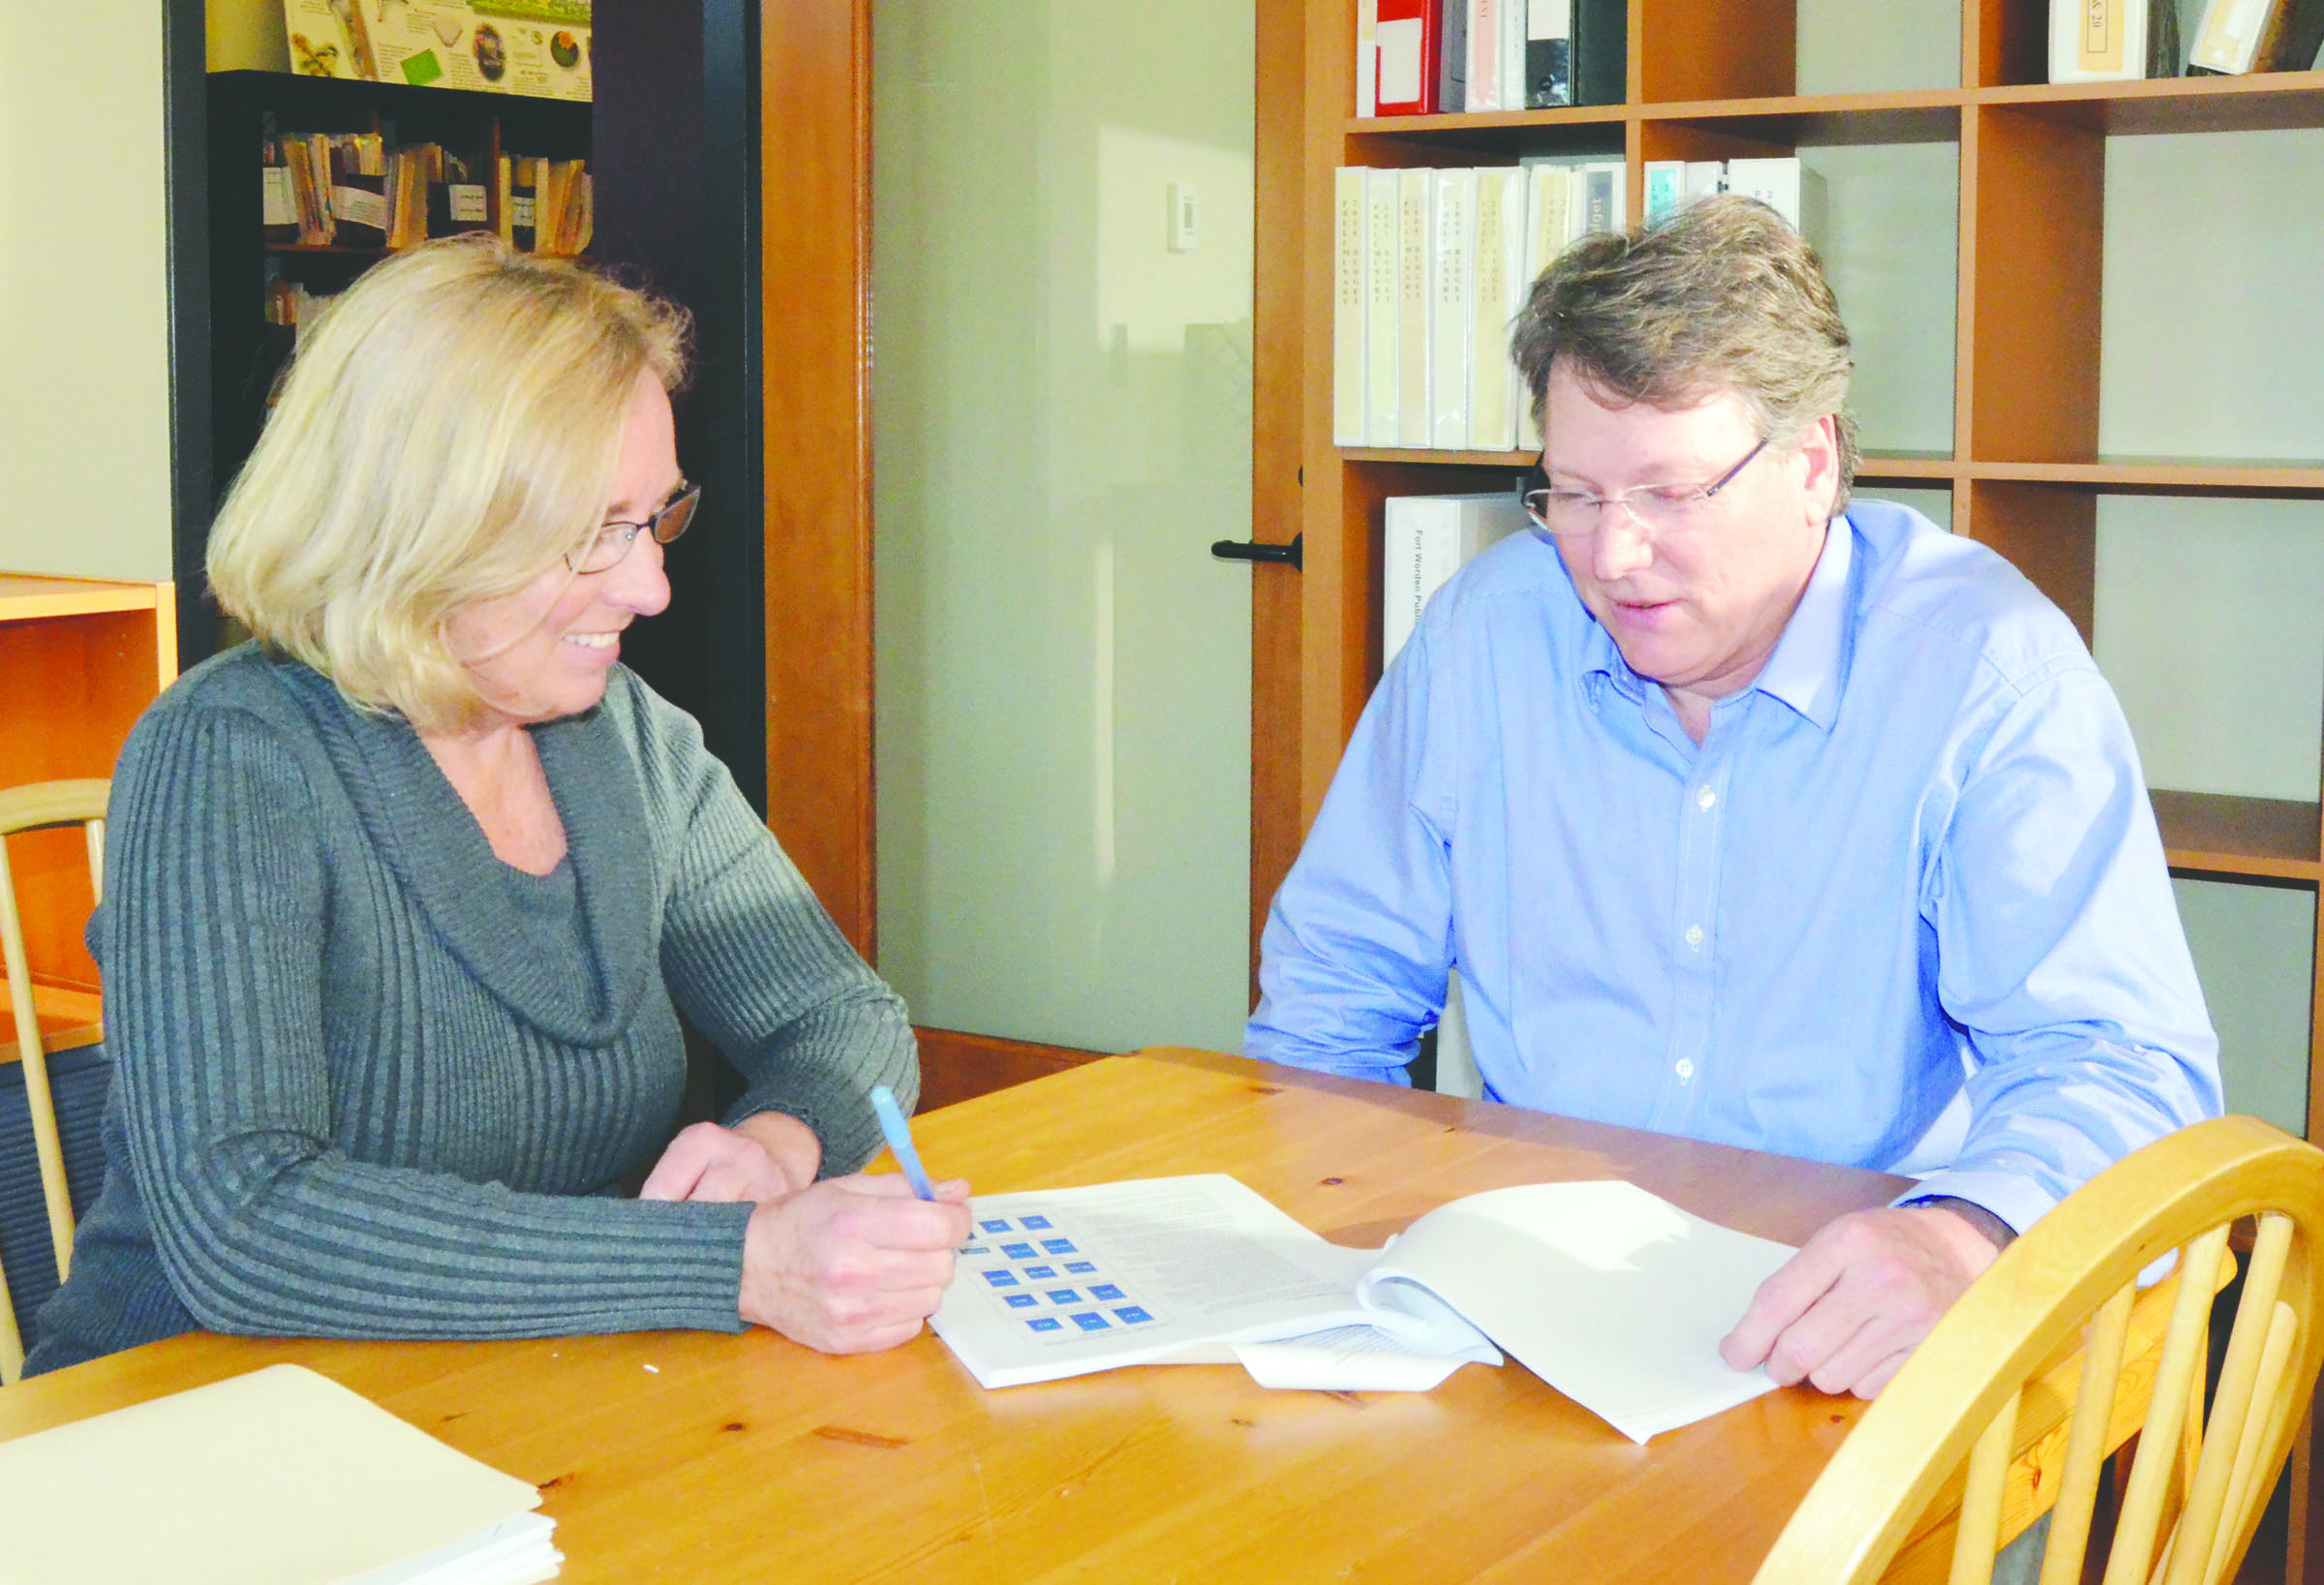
1021 1252
1063 1295
1080 1268
998 1224
1002 1279
1034 1223
1019 1301
1132 1314
1106 1291
1046 1324
1089 1320
1042 1273
1059 1246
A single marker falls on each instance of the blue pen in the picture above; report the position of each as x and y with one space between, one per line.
900 1140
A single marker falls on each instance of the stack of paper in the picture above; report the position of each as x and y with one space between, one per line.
280 1476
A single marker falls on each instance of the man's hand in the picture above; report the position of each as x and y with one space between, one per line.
1846 1310
763 1157
854 1265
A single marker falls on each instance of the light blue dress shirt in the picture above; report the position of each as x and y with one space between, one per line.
1905 907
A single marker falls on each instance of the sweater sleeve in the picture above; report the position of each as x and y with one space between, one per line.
212 939
752 957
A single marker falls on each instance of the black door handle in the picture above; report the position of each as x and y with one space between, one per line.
1250 550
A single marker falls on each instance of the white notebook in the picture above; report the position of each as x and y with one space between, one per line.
282 1476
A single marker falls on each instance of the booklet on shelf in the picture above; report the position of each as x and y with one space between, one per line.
1615 1297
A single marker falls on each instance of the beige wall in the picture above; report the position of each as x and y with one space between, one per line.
85 291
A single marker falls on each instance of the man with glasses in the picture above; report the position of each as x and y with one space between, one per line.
1752 814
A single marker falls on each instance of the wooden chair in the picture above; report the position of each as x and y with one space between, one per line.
28 809
2070 1282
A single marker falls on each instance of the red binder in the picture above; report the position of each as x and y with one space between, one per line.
1411 37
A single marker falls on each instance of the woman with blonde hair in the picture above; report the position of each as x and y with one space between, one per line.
405 898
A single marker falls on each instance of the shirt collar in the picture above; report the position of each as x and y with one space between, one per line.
1804 671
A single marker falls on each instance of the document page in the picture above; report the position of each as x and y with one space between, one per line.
1611 1294
1177 1270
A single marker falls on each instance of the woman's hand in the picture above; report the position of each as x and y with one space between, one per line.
852 1265
763 1157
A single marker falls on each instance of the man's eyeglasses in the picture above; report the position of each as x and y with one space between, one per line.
604 552
1654 508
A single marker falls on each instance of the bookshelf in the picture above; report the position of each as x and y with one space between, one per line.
79 659
246 351
2022 470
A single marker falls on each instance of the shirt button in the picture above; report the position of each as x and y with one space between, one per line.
1704 798
1694 936
1686 1068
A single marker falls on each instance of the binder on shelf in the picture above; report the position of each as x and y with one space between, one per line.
1665 189
1496 300
1602 198
1600 52
1416 210
1548 53
1425 539
1452 284
1482 77
1453 57
1368 57
1406 34
1513 54
1790 188
1705 177
1348 361
2241 36
1382 238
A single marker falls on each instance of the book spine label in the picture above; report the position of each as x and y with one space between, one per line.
359 207
276 205
1347 306
2228 40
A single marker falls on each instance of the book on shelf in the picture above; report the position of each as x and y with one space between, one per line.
1408 36
278 1475
1415 248
359 189
1613 1297
1453 57
1383 346
1431 269
1425 539
1600 52
1348 361
2236 37
1548 53
278 201
1497 296
2113 41
1793 190
1451 291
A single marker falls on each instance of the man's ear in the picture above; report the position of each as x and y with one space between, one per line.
1820 456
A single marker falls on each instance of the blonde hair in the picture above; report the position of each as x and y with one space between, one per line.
1723 296
449 428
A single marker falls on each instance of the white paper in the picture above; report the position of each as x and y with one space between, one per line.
1619 1303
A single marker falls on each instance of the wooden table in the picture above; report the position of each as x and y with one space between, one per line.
703 1458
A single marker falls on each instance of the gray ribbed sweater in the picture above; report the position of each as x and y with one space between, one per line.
349 1097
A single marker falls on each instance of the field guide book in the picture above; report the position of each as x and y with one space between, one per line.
1613 1297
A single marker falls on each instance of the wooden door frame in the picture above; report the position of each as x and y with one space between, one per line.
815 325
